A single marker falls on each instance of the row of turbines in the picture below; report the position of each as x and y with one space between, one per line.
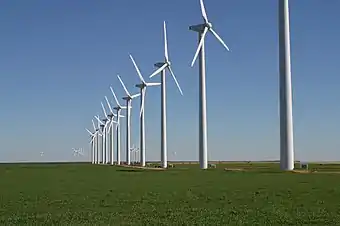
102 138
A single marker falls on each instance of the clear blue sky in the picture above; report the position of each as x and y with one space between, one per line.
58 59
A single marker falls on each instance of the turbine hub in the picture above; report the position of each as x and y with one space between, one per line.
208 25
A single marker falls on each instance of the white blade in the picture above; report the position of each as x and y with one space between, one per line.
108 103
99 120
153 84
204 13
126 91
104 109
137 69
142 105
89 132
158 70
135 95
174 77
114 95
219 38
199 45
94 126
165 43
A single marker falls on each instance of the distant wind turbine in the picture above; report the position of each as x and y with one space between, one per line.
118 108
111 129
128 99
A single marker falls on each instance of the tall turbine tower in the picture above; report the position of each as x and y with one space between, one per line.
128 99
142 86
118 108
162 68
202 30
285 83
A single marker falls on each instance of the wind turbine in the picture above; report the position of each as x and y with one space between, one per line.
92 142
103 123
110 131
118 108
96 135
108 145
97 140
142 86
128 99
77 152
202 30
161 68
285 83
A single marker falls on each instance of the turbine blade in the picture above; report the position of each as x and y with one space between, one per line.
126 91
153 84
110 127
89 131
135 95
103 109
158 70
137 69
114 95
94 126
199 45
142 105
174 77
99 120
108 103
165 43
204 13
219 38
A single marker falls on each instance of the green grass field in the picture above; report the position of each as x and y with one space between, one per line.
83 194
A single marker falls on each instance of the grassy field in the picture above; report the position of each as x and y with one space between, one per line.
81 194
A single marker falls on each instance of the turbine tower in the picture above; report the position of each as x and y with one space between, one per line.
97 140
128 99
161 68
285 83
92 143
103 123
202 30
142 86
118 108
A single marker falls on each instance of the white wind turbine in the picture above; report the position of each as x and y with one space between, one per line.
102 123
285 84
98 134
128 99
118 108
202 30
93 144
109 133
142 86
111 130
162 68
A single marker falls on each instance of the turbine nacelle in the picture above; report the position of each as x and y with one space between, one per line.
200 27
141 86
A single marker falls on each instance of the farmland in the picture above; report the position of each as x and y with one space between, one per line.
84 194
